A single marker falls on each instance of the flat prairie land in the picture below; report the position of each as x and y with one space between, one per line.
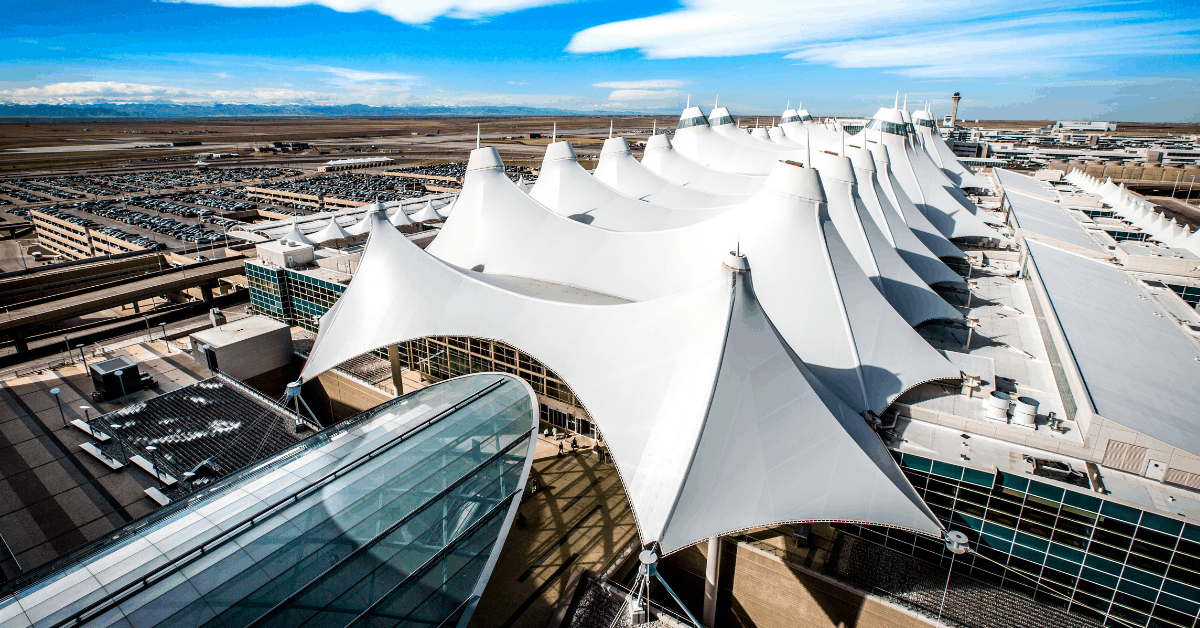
115 144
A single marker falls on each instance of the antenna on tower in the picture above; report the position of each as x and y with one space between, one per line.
906 102
654 127
554 133
610 123
896 105
717 98
689 103
476 135
789 105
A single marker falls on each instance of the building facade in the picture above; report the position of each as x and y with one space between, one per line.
1066 547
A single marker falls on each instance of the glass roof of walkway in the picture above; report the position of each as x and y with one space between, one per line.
392 518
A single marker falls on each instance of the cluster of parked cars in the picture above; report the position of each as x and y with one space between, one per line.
21 195
169 227
458 169
351 186
36 185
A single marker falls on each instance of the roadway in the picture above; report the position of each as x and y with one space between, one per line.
102 297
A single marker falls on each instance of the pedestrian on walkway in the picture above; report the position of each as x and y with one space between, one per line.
574 445
554 431
560 450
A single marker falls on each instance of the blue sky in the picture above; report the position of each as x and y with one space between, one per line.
1044 59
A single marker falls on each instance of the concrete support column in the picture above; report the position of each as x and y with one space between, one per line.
712 572
206 292
19 341
135 308
394 358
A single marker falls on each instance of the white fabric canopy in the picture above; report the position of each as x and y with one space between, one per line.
935 195
903 289
661 158
866 352
924 262
426 213
939 151
619 170
567 189
718 425
920 225
332 231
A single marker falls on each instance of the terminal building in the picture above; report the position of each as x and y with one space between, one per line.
845 359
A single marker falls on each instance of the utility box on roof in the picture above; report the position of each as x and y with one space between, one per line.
244 348
109 384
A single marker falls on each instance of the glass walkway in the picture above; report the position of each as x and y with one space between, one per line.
392 518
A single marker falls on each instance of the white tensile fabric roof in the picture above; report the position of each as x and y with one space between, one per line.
619 170
924 262
873 357
945 158
566 188
925 184
718 426
916 221
731 388
661 158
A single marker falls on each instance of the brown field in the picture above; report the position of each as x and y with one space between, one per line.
106 145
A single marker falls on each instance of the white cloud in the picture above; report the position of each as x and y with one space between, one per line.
516 83
111 91
659 83
361 76
405 11
926 38
223 75
643 94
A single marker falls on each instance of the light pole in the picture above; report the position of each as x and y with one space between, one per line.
120 442
154 461
121 378
57 402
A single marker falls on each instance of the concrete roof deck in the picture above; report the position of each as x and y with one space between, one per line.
1008 338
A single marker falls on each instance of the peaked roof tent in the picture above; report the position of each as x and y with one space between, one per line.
722 123
567 189
711 444
728 150
917 222
877 257
867 354
426 214
619 170
941 154
661 158
924 262
923 181
332 231
295 235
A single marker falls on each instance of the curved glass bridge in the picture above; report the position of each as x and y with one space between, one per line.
392 518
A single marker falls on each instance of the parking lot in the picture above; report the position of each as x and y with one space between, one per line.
459 169
360 187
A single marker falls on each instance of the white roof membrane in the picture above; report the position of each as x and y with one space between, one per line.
696 370
806 277
619 170
877 257
924 262
661 158
916 221
1049 219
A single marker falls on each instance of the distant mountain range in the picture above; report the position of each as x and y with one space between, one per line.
218 110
